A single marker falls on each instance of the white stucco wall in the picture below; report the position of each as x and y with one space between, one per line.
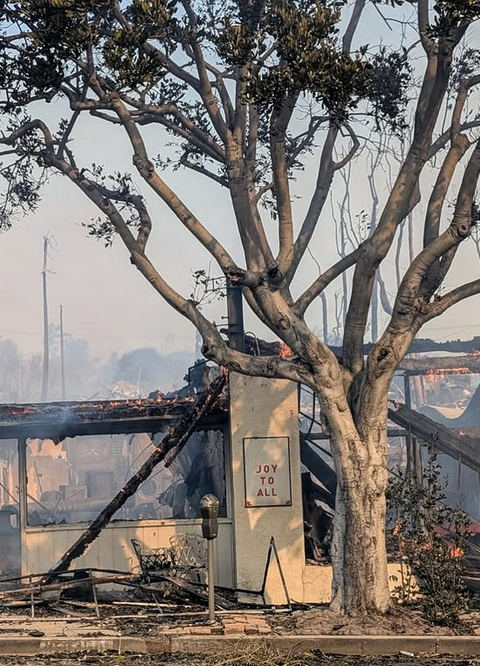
43 546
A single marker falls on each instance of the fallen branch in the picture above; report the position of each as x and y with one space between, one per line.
39 588
189 588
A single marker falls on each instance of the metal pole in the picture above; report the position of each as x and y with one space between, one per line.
94 592
236 331
408 434
414 448
459 481
211 581
282 577
62 354
46 351
32 600
22 501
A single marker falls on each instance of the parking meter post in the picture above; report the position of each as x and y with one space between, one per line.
211 581
209 509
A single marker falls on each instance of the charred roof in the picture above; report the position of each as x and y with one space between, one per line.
57 420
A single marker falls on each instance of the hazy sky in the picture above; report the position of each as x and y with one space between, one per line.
107 302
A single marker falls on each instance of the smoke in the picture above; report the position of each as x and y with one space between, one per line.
133 374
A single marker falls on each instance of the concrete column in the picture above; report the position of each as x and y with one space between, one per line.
266 408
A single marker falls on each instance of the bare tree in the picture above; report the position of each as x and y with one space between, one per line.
226 81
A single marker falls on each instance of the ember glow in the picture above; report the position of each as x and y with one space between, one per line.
438 374
456 552
285 351
94 410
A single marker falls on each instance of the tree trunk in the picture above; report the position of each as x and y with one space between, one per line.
375 312
359 558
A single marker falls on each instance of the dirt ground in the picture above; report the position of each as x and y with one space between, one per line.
307 660
148 624
398 621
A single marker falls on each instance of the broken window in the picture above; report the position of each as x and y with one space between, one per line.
9 509
71 482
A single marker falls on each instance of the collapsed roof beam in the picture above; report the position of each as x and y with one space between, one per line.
438 365
257 346
437 436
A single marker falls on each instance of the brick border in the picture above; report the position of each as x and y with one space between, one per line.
349 645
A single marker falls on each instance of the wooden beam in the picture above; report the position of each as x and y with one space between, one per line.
38 588
58 431
257 346
437 436
440 365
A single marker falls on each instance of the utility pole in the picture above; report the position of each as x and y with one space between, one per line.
46 345
62 354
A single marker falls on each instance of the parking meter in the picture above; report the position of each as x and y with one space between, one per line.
209 510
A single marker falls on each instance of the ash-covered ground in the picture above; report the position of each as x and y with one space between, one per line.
296 660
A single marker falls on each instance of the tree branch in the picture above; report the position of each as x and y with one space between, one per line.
353 25
172 67
72 122
150 118
220 86
252 140
198 168
326 169
324 180
400 202
136 200
214 346
321 283
437 271
458 148
423 26
148 173
278 129
240 122
25 129
192 132
150 113
384 300
351 153
105 116
273 367
444 138
443 303
406 305
456 152
205 90
212 339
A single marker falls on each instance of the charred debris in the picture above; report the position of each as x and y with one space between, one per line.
435 407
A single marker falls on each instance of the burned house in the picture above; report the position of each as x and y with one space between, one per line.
62 463
82 483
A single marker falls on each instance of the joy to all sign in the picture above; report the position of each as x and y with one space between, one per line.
267 471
